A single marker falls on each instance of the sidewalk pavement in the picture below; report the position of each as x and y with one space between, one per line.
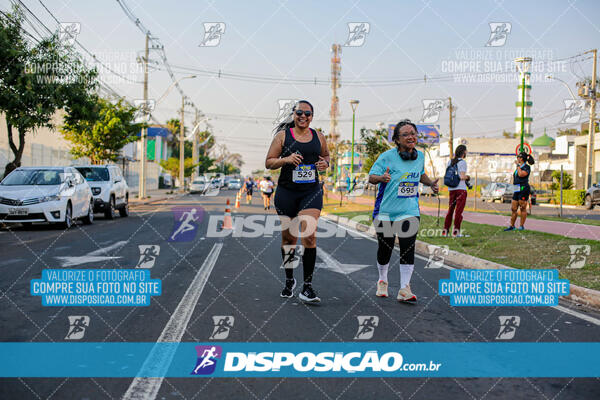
153 196
567 229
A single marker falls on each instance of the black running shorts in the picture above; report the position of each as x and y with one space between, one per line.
523 194
290 203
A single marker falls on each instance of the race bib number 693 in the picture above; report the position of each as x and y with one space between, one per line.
408 189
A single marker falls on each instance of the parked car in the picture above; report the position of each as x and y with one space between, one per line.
507 194
109 188
592 196
425 190
497 191
198 185
217 183
45 194
235 184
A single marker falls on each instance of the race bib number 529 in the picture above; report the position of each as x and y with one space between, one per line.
304 174
408 189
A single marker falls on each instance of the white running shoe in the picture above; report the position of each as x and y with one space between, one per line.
382 289
406 295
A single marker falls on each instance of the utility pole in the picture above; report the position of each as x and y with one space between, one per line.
195 145
589 169
450 132
142 170
181 148
353 104
334 111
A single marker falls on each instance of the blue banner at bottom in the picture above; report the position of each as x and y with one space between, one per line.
223 359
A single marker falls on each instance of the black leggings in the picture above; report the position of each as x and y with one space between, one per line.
386 244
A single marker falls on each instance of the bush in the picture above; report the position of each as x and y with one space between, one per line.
567 181
575 197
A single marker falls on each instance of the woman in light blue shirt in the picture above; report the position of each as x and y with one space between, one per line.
396 212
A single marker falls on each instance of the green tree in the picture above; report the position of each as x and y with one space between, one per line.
205 164
188 148
174 126
37 80
104 132
509 135
229 169
206 141
172 166
567 181
375 143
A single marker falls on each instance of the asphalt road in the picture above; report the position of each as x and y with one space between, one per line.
245 283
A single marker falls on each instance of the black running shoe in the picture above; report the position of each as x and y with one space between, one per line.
308 295
288 290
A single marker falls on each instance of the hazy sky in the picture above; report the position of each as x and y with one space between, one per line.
407 40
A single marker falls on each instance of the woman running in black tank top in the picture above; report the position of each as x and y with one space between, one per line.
300 152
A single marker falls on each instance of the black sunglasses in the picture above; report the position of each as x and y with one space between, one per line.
300 112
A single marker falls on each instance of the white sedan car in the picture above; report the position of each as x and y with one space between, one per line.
45 194
198 185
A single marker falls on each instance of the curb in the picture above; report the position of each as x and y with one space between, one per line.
150 201
558 206
577 294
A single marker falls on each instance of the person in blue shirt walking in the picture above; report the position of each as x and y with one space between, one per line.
396 212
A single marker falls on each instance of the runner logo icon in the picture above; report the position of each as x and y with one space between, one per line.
77 326
186 223
148 255
212 34
431 110
366 326
437 254
579 253
498 34
223 324
207 359
357 33
574 111
68 31
508 326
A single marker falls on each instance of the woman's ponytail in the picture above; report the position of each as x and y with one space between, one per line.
459 152
530 160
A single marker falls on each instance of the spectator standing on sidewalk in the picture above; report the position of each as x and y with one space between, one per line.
458 194
521 190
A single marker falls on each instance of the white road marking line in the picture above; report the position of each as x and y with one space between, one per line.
574 313
559 308
93 256
159 360
334 265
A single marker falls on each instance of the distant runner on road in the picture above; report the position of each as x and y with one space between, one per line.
249 188
266 189
300 152
396 211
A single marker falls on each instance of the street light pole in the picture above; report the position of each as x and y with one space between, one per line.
450 131
195 146
142 170
353 104
181 148
564 83
181 128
